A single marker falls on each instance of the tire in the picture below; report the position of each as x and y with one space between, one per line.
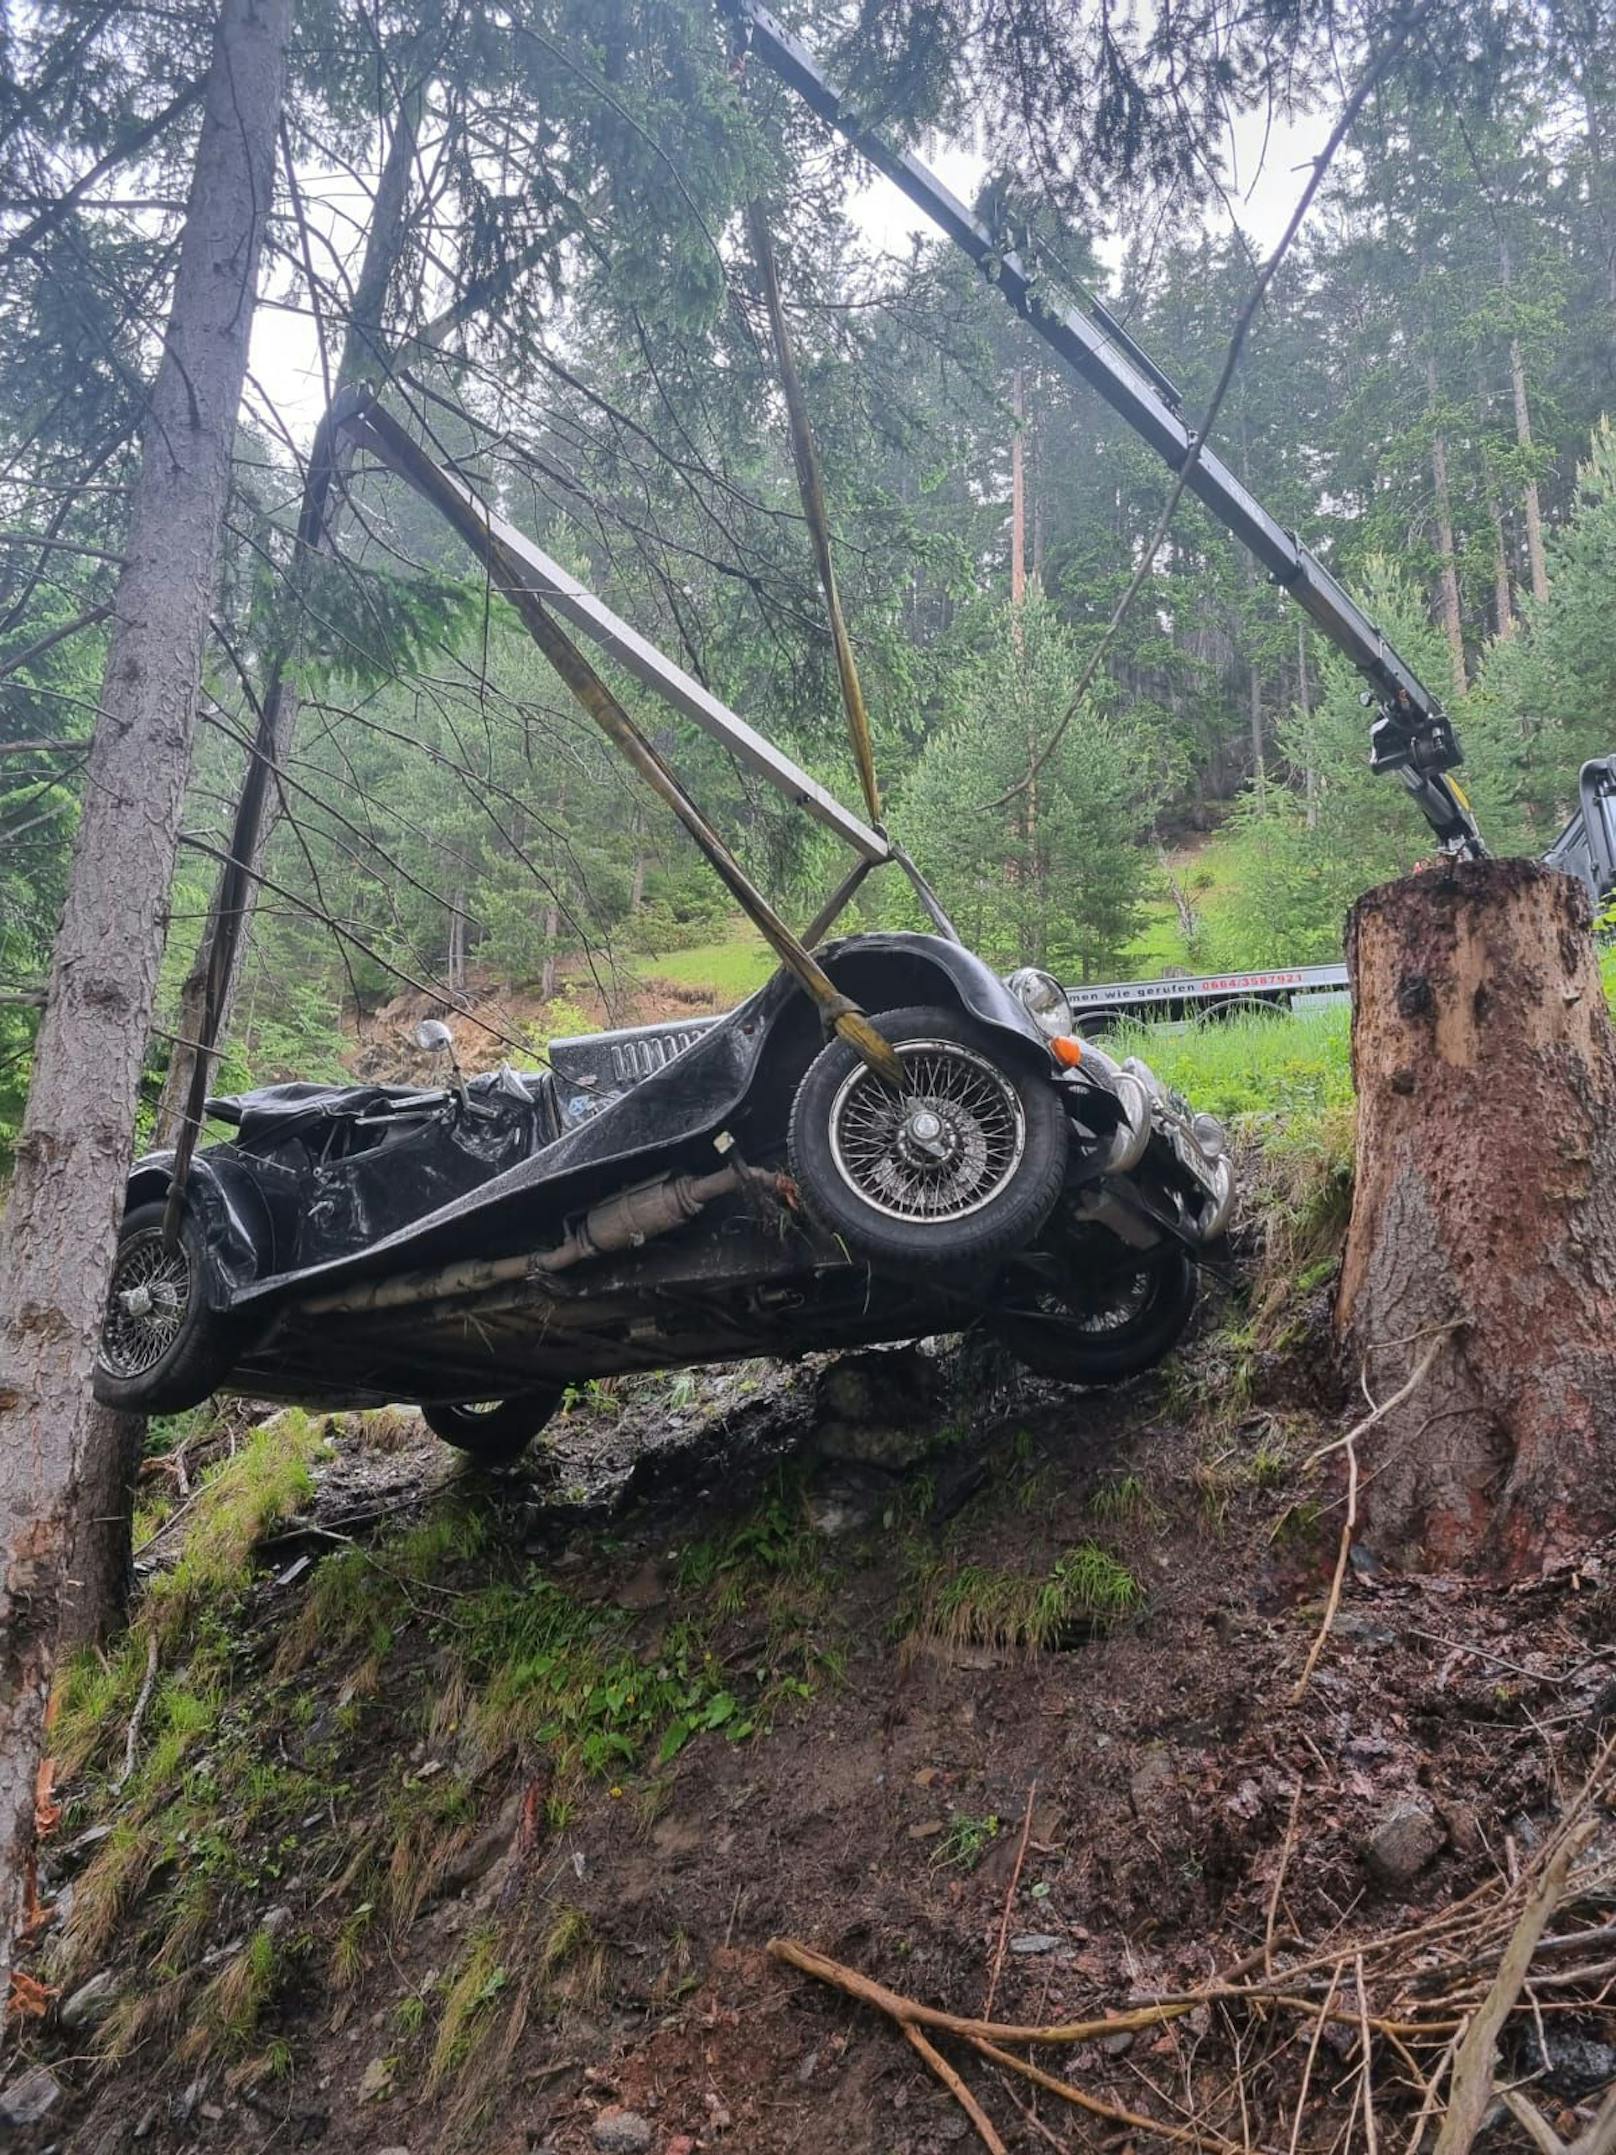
495 1435
862 1176
172 1355
1120 1326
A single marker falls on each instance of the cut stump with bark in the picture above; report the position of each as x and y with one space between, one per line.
1485 1202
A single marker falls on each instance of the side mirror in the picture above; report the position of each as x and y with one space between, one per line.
435 1038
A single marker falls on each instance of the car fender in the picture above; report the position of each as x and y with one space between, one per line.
891 970
228 1207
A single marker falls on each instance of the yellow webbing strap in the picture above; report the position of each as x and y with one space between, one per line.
506 572
811 488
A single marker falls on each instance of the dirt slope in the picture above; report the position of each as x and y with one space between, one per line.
463 1811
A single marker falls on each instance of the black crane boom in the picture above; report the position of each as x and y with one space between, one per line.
1411 734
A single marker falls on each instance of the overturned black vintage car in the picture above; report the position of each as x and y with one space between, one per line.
674 1194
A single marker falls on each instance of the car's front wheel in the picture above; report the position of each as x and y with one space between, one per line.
494 1432
162 1349
1102 1329
960 1168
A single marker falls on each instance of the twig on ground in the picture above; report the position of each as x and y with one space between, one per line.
1185 2135
1532 2122
1312 2053
1472 2089
1600 2138
1342 1557
1009 1904
1362 1429
957 2088
1371 2139
142 1701
1279 1881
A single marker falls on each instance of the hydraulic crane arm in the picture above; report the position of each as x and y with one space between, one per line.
1411 734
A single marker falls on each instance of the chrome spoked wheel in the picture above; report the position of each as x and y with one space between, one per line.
1100 1330
147 1305
1108 1306
940 1150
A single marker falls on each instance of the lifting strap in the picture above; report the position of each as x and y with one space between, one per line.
811 488
506 572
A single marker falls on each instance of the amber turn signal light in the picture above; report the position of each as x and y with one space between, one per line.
1066 1051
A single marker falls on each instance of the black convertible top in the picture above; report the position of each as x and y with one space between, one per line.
277 1112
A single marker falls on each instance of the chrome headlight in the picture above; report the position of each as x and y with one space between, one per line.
1044 1000
1211 1136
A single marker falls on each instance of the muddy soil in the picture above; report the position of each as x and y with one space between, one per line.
1179 1811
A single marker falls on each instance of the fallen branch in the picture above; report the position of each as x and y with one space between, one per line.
1472 2088
1185 2135
957 2088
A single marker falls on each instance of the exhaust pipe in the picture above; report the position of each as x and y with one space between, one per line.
621 1222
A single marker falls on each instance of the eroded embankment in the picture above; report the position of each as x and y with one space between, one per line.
461 1811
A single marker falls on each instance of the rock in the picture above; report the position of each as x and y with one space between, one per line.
479 1856
181 2106
28 2098
842 1507
1403 1843
376 2081
1153 1772
1028 1942
643 1591
1118 2045
275 1920
1577 2064
91 2001
622 2132
879 1409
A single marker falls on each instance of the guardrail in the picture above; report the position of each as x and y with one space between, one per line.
1095 1007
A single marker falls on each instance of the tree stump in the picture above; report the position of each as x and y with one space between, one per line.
1485 1201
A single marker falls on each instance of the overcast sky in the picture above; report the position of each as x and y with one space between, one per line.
1267 167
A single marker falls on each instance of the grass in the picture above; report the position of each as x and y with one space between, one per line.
1259 1073
469 2006
1123 1500
967 1840
241 1501
1088 1590
729 969
229 2008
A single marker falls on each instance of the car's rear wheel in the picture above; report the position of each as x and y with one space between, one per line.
961 1168
1104 1329
494 1432
162 1349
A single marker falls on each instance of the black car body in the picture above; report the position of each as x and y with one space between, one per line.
675 1194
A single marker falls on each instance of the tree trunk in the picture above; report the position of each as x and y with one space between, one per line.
1485 1201
95 1602
1310 776
457 944
235 892
1452 616
57 1241
1018 497
1537 561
